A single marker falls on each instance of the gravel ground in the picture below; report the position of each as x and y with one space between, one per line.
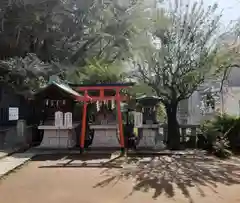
92 179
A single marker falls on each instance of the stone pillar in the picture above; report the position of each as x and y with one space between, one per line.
21 133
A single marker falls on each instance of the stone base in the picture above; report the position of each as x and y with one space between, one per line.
148 138
159 145
105 138
63 138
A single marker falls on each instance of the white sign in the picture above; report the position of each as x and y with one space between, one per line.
13 113
68 119
138 119
58 119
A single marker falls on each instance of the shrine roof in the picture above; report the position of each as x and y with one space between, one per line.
125 107
127 84
66 88
145 97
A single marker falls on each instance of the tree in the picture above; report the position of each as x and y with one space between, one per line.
182 57
67 30
25 74
97 72
66 33
26 28
228 56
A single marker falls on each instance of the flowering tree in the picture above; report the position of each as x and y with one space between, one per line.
183 58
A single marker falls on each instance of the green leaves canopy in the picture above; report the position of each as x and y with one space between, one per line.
68 33
66 30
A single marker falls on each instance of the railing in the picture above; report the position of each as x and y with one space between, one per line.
189 133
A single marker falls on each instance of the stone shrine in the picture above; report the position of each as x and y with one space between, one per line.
149 131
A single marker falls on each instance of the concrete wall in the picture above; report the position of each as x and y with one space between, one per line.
229 104
9 99
195 114
189 110
230 101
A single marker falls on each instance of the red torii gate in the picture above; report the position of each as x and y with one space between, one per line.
117 87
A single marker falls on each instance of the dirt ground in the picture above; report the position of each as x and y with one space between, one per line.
91 179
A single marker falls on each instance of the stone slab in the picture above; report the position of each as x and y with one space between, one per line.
105 138
4 153
63 138
148 138
10 163
7 152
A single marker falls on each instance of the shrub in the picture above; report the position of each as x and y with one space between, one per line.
220 149
222 135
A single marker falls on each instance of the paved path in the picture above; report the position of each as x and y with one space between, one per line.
10 151
10 163
166 179
4 153
104 151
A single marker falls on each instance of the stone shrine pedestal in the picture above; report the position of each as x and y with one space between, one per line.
105 136
148 133
58 137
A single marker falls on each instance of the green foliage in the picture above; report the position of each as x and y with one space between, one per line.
97 72
220 123
140 89
27 27
68 33
24 75
66 30
161 113
222 134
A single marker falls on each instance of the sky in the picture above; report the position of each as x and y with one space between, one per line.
230 8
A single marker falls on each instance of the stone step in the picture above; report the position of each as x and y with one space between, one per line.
12 162
3 154
7 152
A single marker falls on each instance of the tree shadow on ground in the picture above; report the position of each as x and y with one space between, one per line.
79 161
58 156
164 173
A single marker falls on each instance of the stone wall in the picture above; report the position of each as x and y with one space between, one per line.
11 138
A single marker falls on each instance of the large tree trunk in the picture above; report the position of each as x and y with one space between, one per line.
173 140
